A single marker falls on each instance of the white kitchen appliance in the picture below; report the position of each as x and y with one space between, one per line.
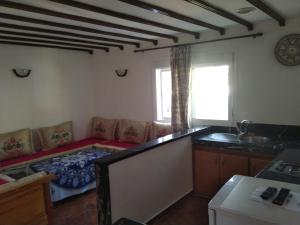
234 204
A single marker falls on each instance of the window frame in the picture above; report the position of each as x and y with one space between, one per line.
230 121
158 110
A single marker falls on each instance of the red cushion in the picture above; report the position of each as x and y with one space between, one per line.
3 181
76 144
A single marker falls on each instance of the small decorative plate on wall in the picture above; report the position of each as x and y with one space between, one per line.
287 50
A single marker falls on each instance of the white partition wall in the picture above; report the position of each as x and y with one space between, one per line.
145 184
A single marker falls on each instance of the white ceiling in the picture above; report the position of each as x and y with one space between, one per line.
287 8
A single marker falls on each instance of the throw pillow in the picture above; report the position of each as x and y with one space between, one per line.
104 128
15 144
159 130
55 136
133 131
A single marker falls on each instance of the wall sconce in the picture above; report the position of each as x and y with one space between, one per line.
121 72
22 73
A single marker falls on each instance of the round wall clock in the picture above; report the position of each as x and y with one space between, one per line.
287 50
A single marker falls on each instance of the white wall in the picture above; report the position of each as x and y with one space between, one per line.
58 89
129 97
66 85
264 90
154 181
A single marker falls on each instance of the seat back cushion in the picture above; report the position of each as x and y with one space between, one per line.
54 136
103 128
133 131
15 144
159 130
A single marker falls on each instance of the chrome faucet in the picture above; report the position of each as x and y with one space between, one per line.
243 129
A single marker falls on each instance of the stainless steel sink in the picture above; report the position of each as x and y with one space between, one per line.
255 139
224 136
229 137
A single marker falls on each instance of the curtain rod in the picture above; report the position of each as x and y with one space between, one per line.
201 42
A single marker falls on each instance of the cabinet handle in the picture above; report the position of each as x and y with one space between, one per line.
223 162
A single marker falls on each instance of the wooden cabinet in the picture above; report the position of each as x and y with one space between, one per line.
232 165
206 175
256 165
213 167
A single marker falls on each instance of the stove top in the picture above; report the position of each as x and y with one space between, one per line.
281 167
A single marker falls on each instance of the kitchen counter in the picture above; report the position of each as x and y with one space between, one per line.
277 149
271 149
110 172
232 203
289 156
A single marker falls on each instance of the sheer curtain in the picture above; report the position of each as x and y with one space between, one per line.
180 70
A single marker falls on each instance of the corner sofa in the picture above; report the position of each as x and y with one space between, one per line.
53 150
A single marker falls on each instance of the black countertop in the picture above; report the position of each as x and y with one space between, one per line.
198 137
288 152
150 145
102 170
271 149
289 156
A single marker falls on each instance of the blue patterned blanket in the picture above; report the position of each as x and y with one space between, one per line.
74 170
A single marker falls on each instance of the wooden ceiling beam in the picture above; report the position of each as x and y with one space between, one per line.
221 12
12 38
167 12
65 33
42 11
72 27
124 16
268 10
60 38
45 46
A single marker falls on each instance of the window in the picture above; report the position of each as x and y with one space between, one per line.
163 94
210 93
211 100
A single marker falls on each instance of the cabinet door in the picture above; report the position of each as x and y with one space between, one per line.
232 165
256 165
206 173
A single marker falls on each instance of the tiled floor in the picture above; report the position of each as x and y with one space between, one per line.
81 210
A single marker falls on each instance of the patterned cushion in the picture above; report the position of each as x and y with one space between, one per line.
55 136
159 130
15 144
133 131
104 128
